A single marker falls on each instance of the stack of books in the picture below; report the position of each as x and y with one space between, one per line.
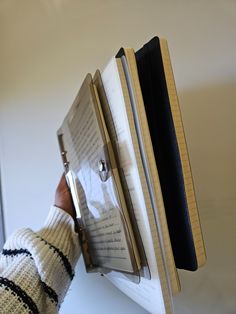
125 156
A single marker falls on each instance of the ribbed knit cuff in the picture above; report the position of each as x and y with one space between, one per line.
59 231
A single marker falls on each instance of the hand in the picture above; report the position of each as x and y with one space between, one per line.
63 197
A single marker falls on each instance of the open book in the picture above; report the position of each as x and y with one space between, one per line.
125 157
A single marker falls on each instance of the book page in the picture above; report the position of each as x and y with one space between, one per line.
149 293
149 164
100 208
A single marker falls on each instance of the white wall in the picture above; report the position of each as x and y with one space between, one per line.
47 47
2 231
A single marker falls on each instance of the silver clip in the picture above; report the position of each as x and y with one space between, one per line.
66 165
103 170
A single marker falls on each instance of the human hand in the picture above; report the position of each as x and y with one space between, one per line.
63 197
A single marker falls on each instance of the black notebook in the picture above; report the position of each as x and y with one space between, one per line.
156 98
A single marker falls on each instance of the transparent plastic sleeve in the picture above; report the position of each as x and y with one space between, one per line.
105 229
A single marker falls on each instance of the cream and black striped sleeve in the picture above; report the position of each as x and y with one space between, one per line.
36 268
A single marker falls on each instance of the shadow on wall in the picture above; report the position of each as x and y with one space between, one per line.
209 115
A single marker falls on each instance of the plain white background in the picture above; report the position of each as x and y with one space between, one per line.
47 47
2 235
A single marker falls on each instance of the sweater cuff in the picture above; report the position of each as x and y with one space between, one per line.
59 231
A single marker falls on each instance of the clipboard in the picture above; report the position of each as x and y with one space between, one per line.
97 79
105 231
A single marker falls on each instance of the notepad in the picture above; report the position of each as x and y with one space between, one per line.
186 169
168 141
150 167
119 100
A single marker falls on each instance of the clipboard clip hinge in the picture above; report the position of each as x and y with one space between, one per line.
103 170
63 153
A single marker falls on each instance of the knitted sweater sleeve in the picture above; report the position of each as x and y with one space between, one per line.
36 268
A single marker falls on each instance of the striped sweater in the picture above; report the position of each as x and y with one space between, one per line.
36 268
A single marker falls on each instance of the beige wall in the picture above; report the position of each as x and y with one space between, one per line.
47 47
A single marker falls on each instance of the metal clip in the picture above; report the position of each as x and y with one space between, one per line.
66 165
103 170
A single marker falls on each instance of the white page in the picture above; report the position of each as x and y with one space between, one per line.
149 293
149 164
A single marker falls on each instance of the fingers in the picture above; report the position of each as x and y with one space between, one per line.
63 183
63 197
